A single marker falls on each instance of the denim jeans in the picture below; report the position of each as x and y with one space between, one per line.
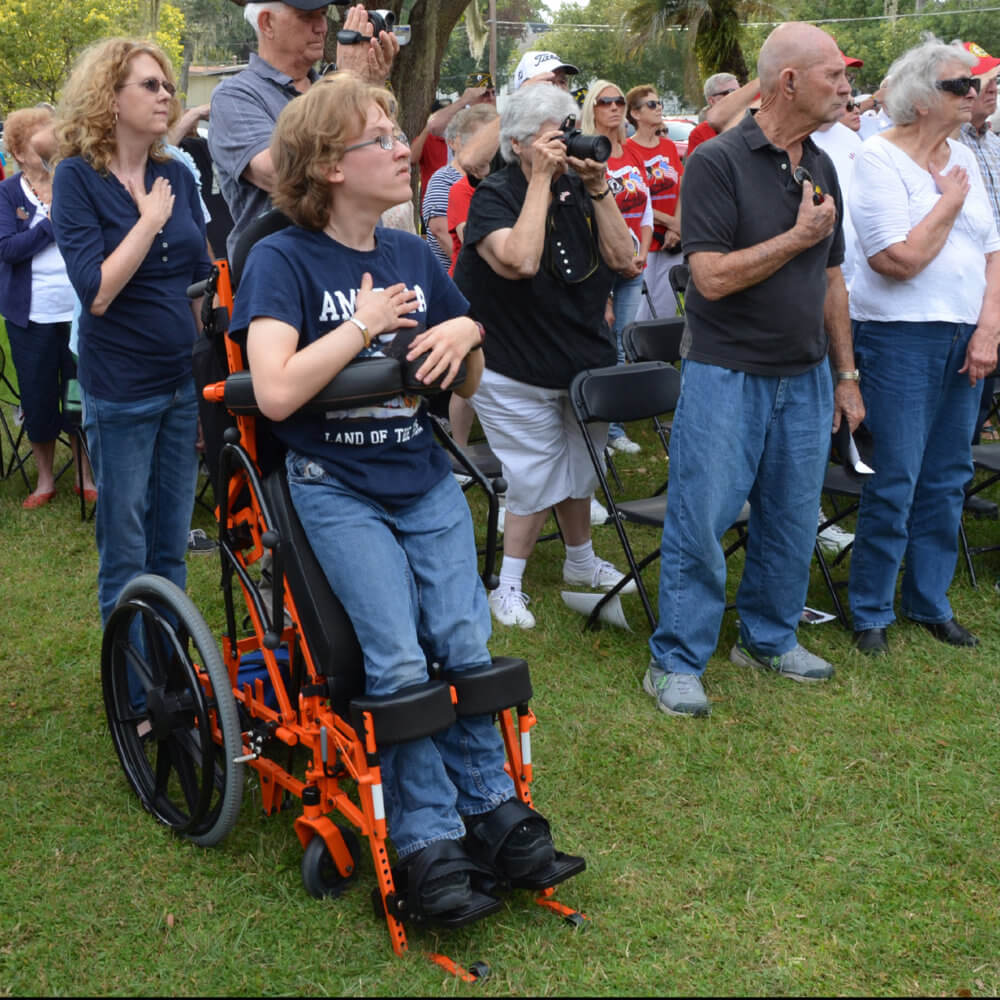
921 413
737 436
408 579
628 294
146 469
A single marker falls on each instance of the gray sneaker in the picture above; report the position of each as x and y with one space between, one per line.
797 664
676 694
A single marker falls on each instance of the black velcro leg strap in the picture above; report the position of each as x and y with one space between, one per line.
439 860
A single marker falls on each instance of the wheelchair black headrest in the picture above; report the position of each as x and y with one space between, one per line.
270 222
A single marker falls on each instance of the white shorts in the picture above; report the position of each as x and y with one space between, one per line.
533 432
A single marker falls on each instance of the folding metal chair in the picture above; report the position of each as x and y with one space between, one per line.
986 458
11 430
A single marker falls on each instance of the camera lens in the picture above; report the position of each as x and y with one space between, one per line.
381 20
588 147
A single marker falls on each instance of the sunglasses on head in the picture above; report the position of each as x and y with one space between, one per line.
959 86
153 85
606 102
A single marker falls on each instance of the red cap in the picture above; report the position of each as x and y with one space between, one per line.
987 65
849 62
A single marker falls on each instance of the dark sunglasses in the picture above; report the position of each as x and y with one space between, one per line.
960 85
606 102
479 80
725 93
649 104
153 85
850 106
802 176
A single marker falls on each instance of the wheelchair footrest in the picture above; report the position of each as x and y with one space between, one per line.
562 867
493 688
410 714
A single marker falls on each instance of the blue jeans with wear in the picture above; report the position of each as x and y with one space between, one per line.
627 294
409 582
738 436
921 413
146 469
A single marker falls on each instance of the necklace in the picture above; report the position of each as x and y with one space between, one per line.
31 188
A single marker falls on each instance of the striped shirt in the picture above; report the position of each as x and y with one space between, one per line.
986 147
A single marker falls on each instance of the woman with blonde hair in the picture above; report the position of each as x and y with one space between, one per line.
604 114
36 301
129 224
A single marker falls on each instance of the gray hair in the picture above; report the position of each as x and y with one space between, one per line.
527 110
469 120
253 10
913 77
713 82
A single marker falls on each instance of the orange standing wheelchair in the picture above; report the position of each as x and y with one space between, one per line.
285 697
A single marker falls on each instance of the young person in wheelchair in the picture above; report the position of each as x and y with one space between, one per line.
372 488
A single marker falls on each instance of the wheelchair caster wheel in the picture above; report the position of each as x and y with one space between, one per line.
480 971
171 710
319 873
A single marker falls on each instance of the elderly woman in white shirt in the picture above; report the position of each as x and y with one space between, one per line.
926 308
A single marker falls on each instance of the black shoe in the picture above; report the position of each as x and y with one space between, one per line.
977 506
872 641
951 632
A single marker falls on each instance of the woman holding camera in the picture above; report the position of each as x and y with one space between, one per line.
542 245
604 114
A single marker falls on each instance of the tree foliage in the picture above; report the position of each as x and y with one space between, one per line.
611 54
40 39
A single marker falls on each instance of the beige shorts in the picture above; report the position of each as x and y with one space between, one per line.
533 432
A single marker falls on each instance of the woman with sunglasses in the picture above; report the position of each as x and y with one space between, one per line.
128 222
661 165
925 302
604 114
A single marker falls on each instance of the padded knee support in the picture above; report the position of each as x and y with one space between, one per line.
409 714
499 685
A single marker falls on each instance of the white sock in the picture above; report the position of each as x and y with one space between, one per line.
512 573
580 558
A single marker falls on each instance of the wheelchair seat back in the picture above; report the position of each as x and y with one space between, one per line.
328 631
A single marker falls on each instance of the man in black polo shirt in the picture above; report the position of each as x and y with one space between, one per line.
766 306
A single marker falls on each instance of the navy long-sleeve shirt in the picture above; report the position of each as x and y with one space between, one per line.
141 346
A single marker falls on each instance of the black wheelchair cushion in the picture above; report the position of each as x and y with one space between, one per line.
486 690
327 628
409 714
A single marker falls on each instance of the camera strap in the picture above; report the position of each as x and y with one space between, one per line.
571 253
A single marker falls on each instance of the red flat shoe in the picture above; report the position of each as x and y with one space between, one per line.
89 495
37 500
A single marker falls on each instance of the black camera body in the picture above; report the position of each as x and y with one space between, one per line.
584 147
380 20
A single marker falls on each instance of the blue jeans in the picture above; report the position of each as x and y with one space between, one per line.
921 413
145 468
736 437
628 294
409 582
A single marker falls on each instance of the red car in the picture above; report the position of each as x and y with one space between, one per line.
678 130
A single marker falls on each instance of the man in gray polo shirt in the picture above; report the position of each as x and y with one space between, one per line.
290 39
765 308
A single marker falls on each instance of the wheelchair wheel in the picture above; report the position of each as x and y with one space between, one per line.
319 873
171 710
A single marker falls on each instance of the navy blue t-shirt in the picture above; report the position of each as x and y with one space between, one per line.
306 279
141 346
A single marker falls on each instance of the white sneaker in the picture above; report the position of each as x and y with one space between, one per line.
834 539
598 512
624 444
603 576
510 607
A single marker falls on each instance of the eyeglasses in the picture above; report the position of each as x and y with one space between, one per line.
724 93
850 106
649 104
386 142
960 85
152 85
606 102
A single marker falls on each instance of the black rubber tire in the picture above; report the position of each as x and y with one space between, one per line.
319 873
164 736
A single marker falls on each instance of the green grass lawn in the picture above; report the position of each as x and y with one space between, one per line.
803 840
